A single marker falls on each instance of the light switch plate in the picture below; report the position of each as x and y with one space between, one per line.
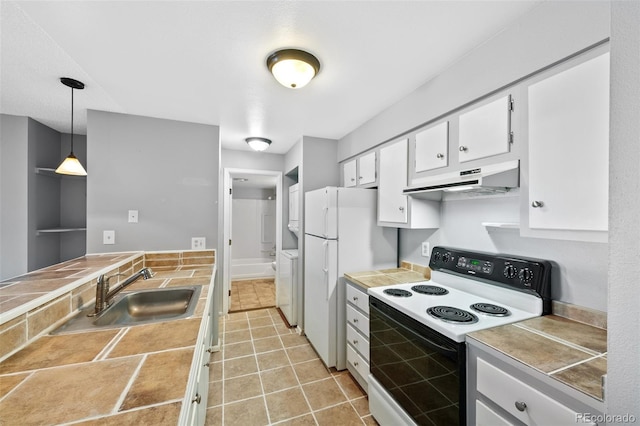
133 216
108 237
198 243
425 249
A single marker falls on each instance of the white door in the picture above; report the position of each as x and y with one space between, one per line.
367 172
320 296
349 174
485 130
432 148
320 212
392 203
283 290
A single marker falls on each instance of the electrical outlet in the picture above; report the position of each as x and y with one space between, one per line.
108 237
425 249
198 243
133 216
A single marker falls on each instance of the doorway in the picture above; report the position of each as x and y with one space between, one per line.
252 235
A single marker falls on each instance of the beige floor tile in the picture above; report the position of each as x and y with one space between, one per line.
260 313
214 397
261 332
274 359
361 405
237 350
293 340
215 371
278 379
236 325
242 388
240 367
301 353
349 385
310 371
236 316
267 344
214 416
286 404
237 336
323 393
370 421
343 415
250 412
260 322
306 420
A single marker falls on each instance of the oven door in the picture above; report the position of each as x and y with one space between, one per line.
421 370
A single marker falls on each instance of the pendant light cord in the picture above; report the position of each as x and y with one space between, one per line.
72 120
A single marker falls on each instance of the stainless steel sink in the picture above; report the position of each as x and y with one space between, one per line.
138 307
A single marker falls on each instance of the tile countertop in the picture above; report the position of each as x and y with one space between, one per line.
569 351
129 375
407 273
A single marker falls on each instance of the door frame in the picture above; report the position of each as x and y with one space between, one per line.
227 200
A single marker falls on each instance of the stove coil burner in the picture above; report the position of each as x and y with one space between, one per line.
453 315
431 290
397 292
489 309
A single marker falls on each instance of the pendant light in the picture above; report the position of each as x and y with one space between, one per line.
293 68
258 144
71 165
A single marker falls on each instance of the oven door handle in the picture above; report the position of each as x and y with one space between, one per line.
412 332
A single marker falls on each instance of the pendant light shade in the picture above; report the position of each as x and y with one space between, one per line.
293 68
258 144
71 165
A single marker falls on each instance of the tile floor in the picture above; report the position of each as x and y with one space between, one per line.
252 294
268 374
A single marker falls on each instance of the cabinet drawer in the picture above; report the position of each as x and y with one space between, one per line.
521 400
360 343
358 298
355 361
358 320
485 416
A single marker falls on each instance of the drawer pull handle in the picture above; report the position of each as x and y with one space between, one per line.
355 320
355 298
355 341
355 364
537 204
197 399
521 406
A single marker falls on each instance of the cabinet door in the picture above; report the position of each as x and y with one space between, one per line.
392 203
432 148
485 130
349 174
569 148
367 171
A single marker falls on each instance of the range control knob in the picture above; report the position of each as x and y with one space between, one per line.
526 275
446 257
510 271
437 255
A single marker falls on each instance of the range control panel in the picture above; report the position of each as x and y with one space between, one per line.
517 272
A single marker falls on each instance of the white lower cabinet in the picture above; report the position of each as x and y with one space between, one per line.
358 334
503 391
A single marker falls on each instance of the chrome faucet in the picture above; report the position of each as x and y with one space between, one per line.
104 295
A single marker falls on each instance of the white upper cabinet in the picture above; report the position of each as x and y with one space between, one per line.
349 174
432 148
568 131
485 130
361 171
367 169
396 209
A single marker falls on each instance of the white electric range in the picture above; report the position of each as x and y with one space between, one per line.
418 354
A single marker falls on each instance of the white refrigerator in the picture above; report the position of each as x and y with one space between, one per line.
341 235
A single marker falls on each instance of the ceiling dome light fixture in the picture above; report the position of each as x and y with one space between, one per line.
258 144
293 68
71 165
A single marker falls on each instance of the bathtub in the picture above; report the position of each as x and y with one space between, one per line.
244 269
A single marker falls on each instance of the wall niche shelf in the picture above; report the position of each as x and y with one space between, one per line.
59 230
51 172
501 225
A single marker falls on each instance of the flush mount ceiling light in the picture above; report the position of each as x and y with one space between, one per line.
293 68
258 144
71 165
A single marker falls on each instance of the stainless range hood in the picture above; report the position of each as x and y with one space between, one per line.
494 178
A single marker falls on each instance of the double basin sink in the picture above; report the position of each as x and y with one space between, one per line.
138 307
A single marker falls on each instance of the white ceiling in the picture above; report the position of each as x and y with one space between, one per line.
204 61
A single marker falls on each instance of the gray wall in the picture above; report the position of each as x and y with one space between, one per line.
13 195
623 372
167 170
73 200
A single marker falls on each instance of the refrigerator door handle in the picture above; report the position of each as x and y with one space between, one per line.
325 267
326 222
